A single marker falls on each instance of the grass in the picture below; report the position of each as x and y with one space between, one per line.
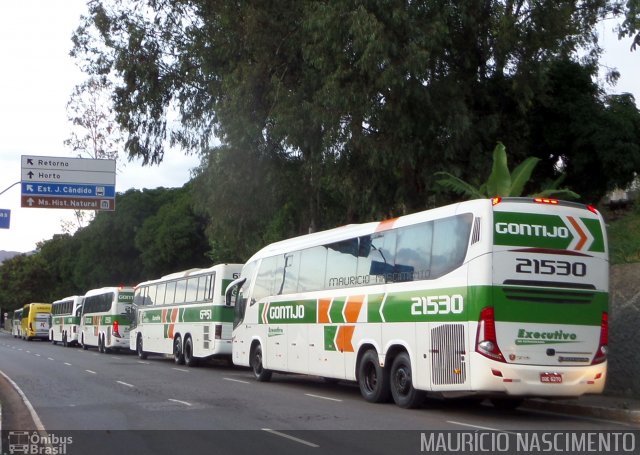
623 230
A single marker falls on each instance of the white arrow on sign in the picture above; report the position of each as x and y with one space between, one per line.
30 202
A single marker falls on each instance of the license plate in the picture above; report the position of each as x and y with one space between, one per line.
551 378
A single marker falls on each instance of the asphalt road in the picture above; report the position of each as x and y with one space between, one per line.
73 391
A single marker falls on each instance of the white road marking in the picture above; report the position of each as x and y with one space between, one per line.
50 358
236 380
90 371
292 438
125 384
67 363
481 428
321 397
181 402
181 369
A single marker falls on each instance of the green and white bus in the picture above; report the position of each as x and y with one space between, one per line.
15 323
503 298
184 315
65 320
106 317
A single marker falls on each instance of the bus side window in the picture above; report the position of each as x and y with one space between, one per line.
450 242
265 279
313 265
343 257
413 253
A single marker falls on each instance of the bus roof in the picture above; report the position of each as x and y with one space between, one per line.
189 272
107 289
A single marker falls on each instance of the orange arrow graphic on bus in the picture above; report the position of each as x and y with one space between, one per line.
343 339
581 233
352 308
323 311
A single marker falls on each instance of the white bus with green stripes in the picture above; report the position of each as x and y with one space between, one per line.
65 320
184 315
106 318
501 299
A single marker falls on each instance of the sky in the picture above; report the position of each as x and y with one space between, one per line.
36 81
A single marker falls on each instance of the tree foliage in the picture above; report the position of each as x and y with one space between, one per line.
341 111
504 183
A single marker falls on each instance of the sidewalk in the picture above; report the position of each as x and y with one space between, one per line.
619 409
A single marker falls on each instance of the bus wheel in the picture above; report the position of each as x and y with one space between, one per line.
506 404
178 354
402 390
52 340
101 347
189 359
141 354
84 346
259 371
64 340
373 379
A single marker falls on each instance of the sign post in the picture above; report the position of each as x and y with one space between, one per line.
68 183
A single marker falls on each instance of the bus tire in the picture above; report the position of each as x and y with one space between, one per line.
101 347
402 390
373 379
259 372
64 340
139 350
189 359
84 346
178 353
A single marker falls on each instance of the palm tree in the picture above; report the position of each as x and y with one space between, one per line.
503 183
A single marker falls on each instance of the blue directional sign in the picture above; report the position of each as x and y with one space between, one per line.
5 218
68 189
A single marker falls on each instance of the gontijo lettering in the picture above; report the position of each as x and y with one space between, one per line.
286 312
537 230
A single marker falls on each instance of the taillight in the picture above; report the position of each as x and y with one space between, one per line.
218 332
603 348
546 200
486 341
116 327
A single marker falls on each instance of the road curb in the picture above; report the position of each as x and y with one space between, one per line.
619 415
23 402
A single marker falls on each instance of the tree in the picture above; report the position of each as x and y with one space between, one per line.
95 133
173 238
366 100
595 137
502 182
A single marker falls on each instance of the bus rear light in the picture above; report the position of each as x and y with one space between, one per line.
116 329
486 341
603 349
545 200
598 376
497 373
218 332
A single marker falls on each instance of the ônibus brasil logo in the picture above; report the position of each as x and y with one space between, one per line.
561 232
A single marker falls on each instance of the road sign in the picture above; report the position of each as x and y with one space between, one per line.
5 218
68 183
73 203
71 190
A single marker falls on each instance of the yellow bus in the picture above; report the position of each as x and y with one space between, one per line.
36 320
